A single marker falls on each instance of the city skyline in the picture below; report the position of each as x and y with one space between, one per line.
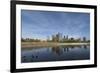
43 24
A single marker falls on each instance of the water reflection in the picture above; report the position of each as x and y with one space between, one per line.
55 53
61 49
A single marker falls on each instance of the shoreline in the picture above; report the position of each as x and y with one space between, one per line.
48 44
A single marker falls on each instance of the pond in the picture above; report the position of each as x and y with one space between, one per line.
56 53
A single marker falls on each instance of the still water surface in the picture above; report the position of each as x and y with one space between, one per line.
57 53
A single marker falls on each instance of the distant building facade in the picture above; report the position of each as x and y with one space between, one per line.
57 37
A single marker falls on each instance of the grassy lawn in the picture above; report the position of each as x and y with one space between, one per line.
37 44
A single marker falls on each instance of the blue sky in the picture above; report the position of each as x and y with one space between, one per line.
43 24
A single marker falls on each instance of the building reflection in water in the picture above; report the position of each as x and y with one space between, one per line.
59 50
62 49
56 50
